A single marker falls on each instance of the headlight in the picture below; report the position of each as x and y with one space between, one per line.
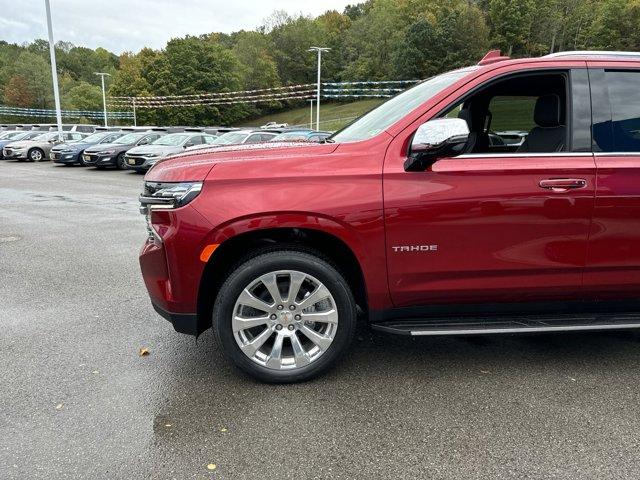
151 155
106 152
167 195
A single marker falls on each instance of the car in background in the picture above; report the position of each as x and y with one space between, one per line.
144 157
39 147
303 135
240 137
106 155
71 153
13 136
274 125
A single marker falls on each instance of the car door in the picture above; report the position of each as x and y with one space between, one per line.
491 228
613 265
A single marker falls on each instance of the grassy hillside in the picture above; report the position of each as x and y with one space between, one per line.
333 115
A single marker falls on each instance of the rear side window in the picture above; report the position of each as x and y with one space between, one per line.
624 95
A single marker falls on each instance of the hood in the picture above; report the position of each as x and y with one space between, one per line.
75 146
106 146
156 149
7 141
195 165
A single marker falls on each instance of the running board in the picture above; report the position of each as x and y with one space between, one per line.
504 324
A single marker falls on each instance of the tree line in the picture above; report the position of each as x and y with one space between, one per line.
374 40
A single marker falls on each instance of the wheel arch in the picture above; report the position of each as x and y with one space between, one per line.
241 246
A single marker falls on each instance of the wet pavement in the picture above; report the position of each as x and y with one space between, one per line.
77 400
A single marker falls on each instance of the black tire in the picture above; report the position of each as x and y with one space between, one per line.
120 165
36 155
309 263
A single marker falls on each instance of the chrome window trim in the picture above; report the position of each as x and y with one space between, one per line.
617 154
526 155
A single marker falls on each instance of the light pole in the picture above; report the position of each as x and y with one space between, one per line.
135 121
104 95
311 100
54 69
319 50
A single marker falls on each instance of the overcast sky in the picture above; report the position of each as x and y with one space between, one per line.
129 25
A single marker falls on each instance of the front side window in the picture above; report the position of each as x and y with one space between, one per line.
624 96
519 114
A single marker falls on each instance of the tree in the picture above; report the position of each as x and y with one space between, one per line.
511 22
17 93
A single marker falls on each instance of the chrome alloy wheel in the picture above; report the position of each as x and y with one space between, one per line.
284 320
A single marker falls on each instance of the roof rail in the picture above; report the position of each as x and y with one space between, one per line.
493 56
592 53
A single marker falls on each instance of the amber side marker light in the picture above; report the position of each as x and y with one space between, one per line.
208 251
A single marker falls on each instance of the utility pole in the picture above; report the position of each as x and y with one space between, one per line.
104 95
135 122
311 100
319 50
54 70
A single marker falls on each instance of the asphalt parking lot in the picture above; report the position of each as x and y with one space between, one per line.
77 401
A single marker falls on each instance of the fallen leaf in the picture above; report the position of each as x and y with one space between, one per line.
95 371
59 406
167 424
485 372
211 466
223 429
143 352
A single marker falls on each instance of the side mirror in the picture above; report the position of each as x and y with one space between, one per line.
443 137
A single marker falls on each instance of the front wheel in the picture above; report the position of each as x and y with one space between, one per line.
35 155
285 316
120 163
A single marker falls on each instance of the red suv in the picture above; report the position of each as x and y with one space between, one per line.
503 197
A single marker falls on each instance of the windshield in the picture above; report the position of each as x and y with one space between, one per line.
130 138
45 137
382 117
4 135
173 140
230 138
95 137
290 136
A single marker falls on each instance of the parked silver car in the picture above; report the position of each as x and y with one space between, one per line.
144 157
39 147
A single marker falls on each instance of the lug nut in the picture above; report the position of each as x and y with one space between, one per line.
298 317
291 327
292 307
278 327
280 307
273 316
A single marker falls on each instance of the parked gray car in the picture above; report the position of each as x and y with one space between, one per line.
144 157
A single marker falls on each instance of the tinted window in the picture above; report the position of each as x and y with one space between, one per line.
624 96
255 138
512 113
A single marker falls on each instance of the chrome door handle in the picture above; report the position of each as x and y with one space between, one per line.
563 184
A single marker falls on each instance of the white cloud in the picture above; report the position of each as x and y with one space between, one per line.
129 25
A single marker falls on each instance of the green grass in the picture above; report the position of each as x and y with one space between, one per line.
333 115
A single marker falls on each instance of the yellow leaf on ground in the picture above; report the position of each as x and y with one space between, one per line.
211 466
143 352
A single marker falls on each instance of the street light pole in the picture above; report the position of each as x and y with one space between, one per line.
104 95
135 122
319 50
311 100
54 69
